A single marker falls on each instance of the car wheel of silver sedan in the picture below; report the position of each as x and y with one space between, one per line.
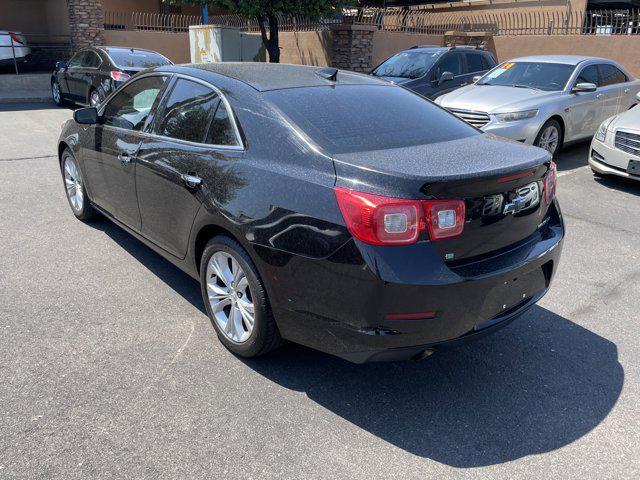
236 300
75 188
550 137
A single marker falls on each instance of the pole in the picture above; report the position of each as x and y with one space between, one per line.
204 13
13 49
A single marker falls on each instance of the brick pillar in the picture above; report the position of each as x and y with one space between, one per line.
86 23
352 47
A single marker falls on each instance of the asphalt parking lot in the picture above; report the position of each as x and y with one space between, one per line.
110 367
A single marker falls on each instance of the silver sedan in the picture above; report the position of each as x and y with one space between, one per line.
547 101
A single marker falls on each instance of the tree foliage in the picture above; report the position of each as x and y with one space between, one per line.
265 12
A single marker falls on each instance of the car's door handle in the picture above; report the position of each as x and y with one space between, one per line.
627 90
191 180
463 84
124 158
599 96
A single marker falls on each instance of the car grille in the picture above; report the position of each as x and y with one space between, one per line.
628 142
477 119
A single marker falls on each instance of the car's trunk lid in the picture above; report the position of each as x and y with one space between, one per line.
500 182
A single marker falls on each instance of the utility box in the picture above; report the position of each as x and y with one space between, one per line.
219 43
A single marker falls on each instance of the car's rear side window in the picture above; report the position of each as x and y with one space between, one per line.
611 75
188 111
351 118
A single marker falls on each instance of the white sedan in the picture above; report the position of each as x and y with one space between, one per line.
615 149
13 44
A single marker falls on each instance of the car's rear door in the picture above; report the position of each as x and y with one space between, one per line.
192 148
111 172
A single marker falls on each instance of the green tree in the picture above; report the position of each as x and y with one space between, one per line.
265 12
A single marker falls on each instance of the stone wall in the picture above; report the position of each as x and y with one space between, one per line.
86 23
352 47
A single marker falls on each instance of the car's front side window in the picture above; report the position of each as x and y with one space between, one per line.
131 106
589 74
611 75
450 63
475 63
91 60
77 59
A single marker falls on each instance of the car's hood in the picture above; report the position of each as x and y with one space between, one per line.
629 120
494 99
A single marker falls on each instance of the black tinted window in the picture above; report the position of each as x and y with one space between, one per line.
475 63
129 58
488 62
90 59
222 131
351 118
407 64
131 106
77 59
611 75
589 75
450 63
188 112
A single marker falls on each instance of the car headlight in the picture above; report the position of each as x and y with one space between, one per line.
601 134
513 116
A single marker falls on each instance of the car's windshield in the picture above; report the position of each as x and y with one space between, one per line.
536 75
407 64
124 58
359 118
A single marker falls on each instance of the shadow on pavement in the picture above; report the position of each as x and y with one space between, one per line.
536 386
574 156
626 185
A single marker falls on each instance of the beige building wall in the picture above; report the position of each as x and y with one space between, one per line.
174 46
507 6
386 44
35 16
306 48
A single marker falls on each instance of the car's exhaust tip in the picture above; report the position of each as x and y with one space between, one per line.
423 354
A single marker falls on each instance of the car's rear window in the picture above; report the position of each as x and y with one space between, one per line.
124 58
352 118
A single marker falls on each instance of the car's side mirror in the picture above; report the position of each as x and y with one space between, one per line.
86 116
584 87
61 65
476 78
445 77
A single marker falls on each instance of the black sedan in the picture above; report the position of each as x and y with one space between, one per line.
325 207
93 73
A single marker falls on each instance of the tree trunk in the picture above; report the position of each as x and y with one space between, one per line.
271 43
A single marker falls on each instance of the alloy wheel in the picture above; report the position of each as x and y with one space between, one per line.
73 184
55 92
549 139
230 297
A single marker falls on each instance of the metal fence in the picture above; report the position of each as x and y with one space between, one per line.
591 22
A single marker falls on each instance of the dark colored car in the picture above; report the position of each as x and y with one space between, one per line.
325 207
433 71
93 73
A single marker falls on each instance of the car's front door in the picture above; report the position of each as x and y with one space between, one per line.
612 90
71 76
193 146
111 173
585 109
450 62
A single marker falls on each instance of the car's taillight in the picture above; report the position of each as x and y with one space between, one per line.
15 38
380 220
445 218
120 76
550 181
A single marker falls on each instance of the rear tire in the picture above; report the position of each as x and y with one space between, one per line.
550 137
236 300
75 189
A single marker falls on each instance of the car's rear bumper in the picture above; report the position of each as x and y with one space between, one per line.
341 304
607 160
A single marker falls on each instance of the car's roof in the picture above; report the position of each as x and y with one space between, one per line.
566 59
427 49
275 76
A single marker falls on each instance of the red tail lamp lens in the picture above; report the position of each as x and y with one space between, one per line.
550 181
120 76
15 38
445 218
380 220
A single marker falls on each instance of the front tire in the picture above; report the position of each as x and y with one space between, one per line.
56 93
75 189
550 137
236 300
